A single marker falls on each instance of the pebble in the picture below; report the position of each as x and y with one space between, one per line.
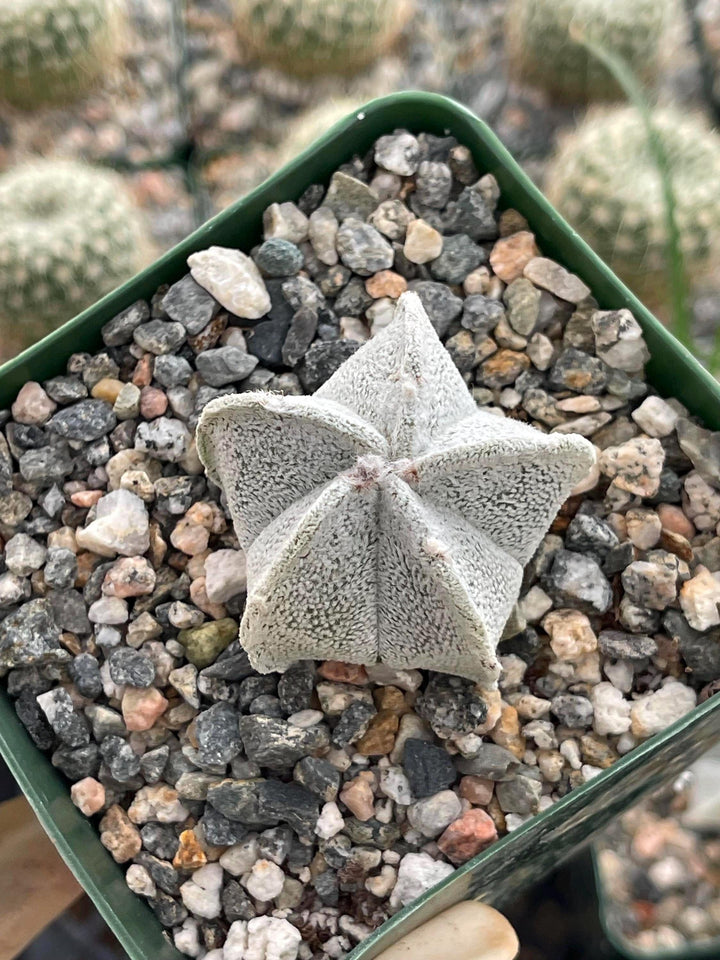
427 767
362 248
225 365
32 405
88 795
201 893
391 218
87 420
285 221
279 257
357 795
433 814
576 580
459 256
619 340
119 835
399 153
322 233
510 255
700 599
164 438
121 525
187 303
265 880
655 417
417 872
433 184
611 711
232 279
142 707
349 197
658 710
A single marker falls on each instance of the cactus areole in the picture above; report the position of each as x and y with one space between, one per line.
385 517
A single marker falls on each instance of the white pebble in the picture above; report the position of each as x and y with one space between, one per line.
330 822
140 881
611 710
186 938
239 858
271 939
233 279
121 526
416 874
658 710
236 941
655 417
265 880
201 893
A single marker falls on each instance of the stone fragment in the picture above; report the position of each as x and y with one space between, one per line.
658 710
417 872
362 248
619 340
232 279
467 836
119 835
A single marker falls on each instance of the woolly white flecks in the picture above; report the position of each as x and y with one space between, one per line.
385 517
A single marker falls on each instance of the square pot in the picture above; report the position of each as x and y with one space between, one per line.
536 847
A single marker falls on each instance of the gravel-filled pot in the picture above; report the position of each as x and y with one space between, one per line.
536 844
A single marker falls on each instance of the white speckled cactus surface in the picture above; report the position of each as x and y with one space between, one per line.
386 517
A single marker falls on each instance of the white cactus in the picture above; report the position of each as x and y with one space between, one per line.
385 518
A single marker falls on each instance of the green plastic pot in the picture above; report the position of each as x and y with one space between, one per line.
522 857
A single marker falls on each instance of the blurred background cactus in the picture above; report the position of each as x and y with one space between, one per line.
69 233
604 179
314 37
543 48
54 50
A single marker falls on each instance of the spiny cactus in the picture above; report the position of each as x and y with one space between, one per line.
387 517
543 52
68 235
605 181
314 37
54 50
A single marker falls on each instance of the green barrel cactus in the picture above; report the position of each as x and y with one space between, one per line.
315 37
543 51
605 181
69 233
54 50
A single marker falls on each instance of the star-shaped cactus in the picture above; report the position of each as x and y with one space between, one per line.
386 517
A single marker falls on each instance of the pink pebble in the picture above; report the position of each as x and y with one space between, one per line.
32 404
141 707
153 402
674 520
88 795
86 498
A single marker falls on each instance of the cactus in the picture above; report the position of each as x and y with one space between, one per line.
605 181
54 50
315 37
68 235
385 518
542 50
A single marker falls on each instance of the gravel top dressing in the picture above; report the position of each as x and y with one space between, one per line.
269 817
